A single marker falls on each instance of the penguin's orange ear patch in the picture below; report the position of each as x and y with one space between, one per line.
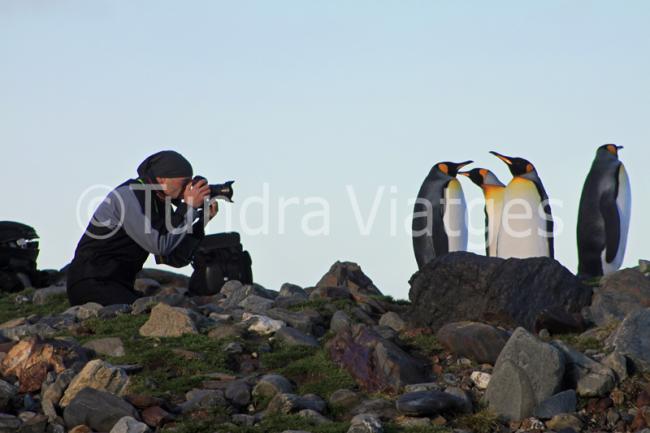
483 172
612 149
443 168
529 168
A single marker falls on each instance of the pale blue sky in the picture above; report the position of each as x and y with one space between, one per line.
310 97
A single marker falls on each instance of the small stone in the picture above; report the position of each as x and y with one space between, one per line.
365 423
618 363
564 421
272 384
7 393
146 286
344 398
111 346
81 429
480 379
261 324
239 393
416 387
41 296
98 410
313 417
84 312
563 402
130 425
293 337
427 403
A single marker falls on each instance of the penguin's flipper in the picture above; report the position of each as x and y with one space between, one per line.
609 211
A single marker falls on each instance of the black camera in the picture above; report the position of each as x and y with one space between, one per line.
221 191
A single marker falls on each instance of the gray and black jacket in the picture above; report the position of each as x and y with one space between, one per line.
129 225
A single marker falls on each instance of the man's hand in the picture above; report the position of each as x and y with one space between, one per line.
194 195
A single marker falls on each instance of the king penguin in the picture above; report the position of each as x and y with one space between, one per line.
526 228
440 214
493 191
604 214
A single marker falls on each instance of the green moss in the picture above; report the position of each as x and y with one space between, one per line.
480 422
164 372
309 367
216 421
425 344
580 343
10 309
324 306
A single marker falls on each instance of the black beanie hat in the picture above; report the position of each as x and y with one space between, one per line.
165 164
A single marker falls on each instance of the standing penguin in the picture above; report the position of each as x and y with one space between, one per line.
493 191
526 228
440 214
604 214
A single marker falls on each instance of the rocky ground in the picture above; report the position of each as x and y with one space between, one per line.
483 345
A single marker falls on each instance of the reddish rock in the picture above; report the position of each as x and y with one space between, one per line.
31 359
639 422
643 399
81 429
377 364
155 416
6 347
558 321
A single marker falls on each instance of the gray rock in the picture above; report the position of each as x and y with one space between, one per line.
256 304
428 403
365 423
99 410
527 372
291 403
202 399
618 363
7 393
344 398
128 424
293 337
35 423
166 321
238 392
619 294
111 311
464 399
289 290
40 330
9 423
588 377
378 407
42 296
350 276
477 341
563 402
84 312
146 286
144 305
415 387
52 393
111 346
272 384
329 293
340 322
313 417
565 421
243 420
633 340
304 321
239 293
393 321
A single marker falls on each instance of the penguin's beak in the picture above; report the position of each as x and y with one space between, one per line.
464 173
454 168
619 147
503 158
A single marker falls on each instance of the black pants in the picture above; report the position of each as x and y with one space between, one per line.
101 292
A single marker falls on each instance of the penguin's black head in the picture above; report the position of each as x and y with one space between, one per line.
450 168
517 166
476 175
608 150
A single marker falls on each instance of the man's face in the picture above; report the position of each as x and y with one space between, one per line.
173 186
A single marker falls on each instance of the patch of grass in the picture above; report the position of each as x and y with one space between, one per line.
164 372
309 367
324 306
579 342
10 309
480 422
425 344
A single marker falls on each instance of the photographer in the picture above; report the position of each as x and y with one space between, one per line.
137 219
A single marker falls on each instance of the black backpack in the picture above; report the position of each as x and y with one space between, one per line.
219 258
18 254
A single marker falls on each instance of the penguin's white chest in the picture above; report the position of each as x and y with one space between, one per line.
624 207
522 232
493 209
455 216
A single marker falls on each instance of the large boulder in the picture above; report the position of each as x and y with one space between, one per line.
632 339
377 364
620 294
350 276
527 372
509 292
477 341
429 403
99 410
